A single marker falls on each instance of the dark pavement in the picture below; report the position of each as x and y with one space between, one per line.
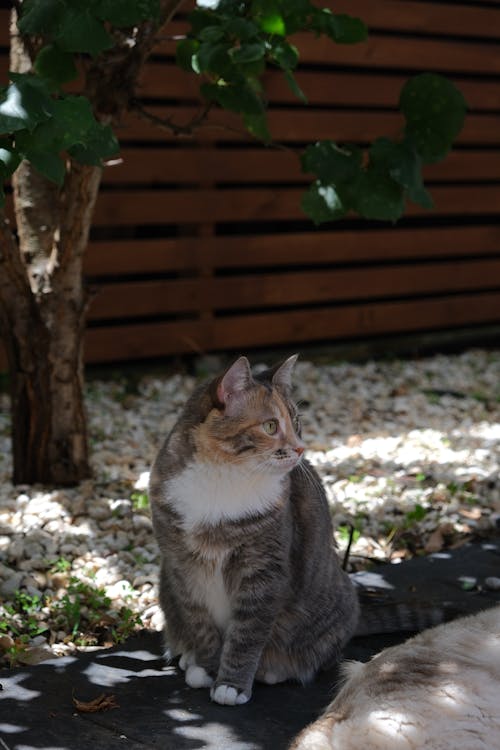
156 709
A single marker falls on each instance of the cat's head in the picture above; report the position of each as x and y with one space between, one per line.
253 422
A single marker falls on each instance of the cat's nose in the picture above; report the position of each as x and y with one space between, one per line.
299 450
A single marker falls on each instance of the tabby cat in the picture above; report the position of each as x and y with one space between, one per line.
250 583
437 691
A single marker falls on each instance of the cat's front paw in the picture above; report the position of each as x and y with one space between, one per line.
197 677
227 695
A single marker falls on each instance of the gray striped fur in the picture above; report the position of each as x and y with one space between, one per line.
256 592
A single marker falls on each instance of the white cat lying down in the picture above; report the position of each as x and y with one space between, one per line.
440 690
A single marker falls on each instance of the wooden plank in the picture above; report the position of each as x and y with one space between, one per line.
425 18
154 298
163 80
299 126
387 51
136 207
359 320
114 343
297 248
391 14
156 166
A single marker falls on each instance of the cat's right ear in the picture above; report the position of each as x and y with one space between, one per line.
235 380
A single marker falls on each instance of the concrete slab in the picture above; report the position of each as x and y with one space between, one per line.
157 710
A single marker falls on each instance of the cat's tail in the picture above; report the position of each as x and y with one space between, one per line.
403 617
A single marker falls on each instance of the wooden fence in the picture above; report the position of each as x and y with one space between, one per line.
199 244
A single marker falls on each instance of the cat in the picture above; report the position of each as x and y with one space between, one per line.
250 583
439 690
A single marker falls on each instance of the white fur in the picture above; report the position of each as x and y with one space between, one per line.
207 586
228 696
207 493
198 677
456 706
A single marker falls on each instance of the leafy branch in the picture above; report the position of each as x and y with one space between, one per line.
229 46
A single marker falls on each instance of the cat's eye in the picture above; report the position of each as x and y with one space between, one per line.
270 427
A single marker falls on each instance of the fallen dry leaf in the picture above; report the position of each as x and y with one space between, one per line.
103 702
435 542
473 513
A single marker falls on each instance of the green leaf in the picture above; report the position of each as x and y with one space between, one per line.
332 164
349 30
212 34
257 126
24 103
41 18
49 165
322 203
72 121
404 166
55 65
243 29
80 31
214 58
184 53
9 160
273 23
240 99
101 143
377 196
285 55
294 86
435 111
340 27
248 53
123 13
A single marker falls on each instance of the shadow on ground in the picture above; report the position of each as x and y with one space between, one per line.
155 708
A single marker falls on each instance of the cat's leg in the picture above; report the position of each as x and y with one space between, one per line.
194 636
196 676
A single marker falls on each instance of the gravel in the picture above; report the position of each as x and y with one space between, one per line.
408 450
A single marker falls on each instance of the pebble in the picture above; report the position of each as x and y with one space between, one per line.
492 583
386 437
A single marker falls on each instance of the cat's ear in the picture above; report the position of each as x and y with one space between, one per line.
235 380
282 374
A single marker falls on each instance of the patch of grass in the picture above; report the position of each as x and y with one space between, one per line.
140 500
61 565
84 614
414 516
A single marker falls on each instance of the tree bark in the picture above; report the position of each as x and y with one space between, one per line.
42 325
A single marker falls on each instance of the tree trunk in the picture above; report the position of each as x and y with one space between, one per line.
42 299
43 316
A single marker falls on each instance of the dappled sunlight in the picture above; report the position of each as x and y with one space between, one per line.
209 734
7 728
23 693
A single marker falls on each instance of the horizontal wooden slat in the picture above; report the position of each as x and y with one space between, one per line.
433 18
263 204
260 165
388 51
396 15
106 344
298 248
163 80
153 298
299 125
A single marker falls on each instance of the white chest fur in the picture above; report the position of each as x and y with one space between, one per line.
206 493
208 587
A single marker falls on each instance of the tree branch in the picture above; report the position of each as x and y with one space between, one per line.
166 123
